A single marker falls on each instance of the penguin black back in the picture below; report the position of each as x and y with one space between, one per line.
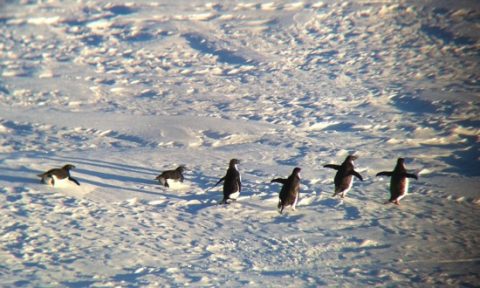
398 181
344 176
59 173
232 181
176 175
290 190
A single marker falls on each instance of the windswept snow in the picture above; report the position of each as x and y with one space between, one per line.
125 90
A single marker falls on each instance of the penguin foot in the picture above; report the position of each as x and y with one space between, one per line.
226 202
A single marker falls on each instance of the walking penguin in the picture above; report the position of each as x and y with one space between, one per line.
290 190
398 181
232 185
344 178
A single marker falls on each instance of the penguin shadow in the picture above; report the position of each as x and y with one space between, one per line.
104 164
351 211
20 179
288 217
202 195
204 45
210 195
464 162
109 176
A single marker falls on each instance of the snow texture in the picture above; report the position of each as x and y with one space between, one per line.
125 90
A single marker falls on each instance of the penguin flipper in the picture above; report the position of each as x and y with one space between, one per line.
74 180
385 173
225 200
219 181
410 175
279 180
333 166
356 174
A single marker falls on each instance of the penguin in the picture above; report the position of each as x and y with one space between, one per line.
232 184
290 190
344 177
398 181
176 175
58 174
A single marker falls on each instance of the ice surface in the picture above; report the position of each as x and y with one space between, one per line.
125 90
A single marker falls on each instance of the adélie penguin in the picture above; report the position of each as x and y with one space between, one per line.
232 182
290 190
344 177
58 174
176 175
398 181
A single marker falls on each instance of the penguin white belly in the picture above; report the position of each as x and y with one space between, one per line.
295 202
60 183
176 185
405 190
346 189
234 195
350 184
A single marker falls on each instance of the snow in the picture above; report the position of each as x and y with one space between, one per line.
126 90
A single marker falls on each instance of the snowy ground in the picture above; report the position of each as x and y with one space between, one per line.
125 90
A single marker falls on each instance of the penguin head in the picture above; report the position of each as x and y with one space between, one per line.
351 158
68 167
182 168
401 162
296 171
234 162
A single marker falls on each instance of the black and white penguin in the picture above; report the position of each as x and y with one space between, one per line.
398 181
176 175
344 177
59 174
232 185
290 190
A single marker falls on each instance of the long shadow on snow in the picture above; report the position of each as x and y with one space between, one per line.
105 185
19 179
464 161
110 176
200 43
351 212
206 183
200 180
103 164
409 102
